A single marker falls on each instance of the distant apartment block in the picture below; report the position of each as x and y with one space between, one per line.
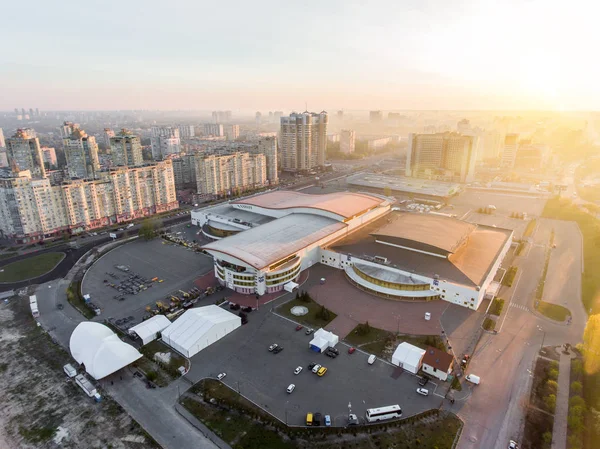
347 141
67 128
2 141
509 154
33 209
378 144
49 156
333 138
340 115
186 131
3 159
126 149
448 156
24 153
232 132
221 116
213 129
268 147
106 135
375 116
165 140
226 174
184 171
303 139
81 153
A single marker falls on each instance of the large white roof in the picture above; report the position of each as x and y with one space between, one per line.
194 324
100 349
262 246
151 326
408 354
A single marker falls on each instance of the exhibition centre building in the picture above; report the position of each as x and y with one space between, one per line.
262 243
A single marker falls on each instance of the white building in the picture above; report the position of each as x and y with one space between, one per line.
322 340
49 155
198 328
186 131
126 149
81 153
437 363
165 140
225 174
214 129
509 155
408 357
268 147
232 132
24 153
150 329
303 140
2 141
347 141
106 135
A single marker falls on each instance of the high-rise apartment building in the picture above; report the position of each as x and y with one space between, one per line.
24 153
106 135
213 129
2 141
3 159
186 131
442 155
225 174
232 132
165 140
126 149
509 154
34 209
375 116
268 147
81 153
258 118
67 129
184 171
49 156
221 116
347 141
340 115
303 139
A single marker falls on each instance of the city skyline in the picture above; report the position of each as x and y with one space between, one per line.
461 55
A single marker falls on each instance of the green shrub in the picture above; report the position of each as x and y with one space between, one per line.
550 402
576 387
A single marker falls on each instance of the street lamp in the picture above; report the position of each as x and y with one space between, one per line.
543 336
349 409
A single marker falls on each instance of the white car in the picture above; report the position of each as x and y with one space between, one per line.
298 370
316 368
273 346
423 391
221 376
291 388
512 444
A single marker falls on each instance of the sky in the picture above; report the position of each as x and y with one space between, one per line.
277 55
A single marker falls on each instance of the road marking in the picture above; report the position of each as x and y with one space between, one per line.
520 306
511 299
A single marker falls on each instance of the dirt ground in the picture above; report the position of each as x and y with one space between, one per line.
39 407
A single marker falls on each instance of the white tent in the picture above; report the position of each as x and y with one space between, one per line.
322 340
100 350
408 357
290 286
198 328
148 330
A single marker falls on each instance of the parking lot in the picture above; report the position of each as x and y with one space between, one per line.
505 203
175 265
264 376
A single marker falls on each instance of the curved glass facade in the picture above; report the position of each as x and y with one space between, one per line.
391 285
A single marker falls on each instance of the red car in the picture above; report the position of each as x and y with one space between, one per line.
351 350
299 327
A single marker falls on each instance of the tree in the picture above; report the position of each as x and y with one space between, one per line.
552 386
591 344
577 366
148 229
547 437
553 374
596 419
387 191
575 423
574 442
576 401
550 402
576 387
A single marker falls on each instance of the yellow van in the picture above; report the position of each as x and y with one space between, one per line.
309 419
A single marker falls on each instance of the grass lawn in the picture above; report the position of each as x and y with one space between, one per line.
509 277
553 311
176 360
310 319
30 268
377 340
497 306
76 300
240 428
529 229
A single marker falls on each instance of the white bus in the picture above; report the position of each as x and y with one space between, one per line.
382 413
34 306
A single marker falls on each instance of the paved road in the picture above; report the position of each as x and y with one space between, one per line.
561 413
493 414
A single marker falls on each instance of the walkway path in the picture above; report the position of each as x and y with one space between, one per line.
559 432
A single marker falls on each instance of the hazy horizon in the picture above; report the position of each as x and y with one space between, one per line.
414 55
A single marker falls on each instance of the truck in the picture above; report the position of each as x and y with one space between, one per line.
87 386
34 306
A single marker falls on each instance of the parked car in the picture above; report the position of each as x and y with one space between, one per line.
371 359
298 370
309 331
299 327
332 349
277 350
247 309
423 381
512 444
59 306
316 368
351 350
272 347
291 388
333 355
221 376
352 420
321 371
327 420
311 365
423 391
317 419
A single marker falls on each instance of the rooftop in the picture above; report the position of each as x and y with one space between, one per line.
404 184
468 265
437 359
262 246
345 204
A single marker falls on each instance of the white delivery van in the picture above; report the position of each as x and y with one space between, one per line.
69 370
473 379
371 359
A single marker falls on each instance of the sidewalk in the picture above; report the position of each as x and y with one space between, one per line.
559 432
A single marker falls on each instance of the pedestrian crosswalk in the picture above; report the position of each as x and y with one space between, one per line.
520 306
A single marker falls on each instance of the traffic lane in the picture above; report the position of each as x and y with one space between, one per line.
60 323
263 376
